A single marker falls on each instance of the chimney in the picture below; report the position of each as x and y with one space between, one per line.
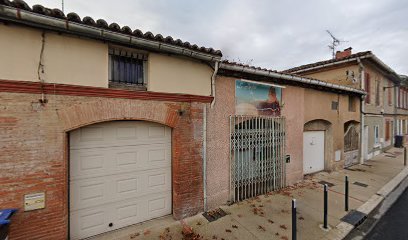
342 54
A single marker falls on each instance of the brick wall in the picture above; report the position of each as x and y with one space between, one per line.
34 144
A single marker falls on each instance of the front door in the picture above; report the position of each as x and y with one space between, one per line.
365 143
313 151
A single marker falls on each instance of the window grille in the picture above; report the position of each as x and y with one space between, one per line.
351 139
127 67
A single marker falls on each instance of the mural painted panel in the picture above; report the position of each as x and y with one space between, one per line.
257 99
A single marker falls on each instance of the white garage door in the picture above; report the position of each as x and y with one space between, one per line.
313 151
120 174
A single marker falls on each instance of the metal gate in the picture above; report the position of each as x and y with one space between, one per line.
257 155
351 145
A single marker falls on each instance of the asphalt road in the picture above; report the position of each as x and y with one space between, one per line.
394 223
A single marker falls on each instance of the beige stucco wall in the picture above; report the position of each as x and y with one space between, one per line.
318 107
376 75
178 75
67 60
293 111
73 60
339 75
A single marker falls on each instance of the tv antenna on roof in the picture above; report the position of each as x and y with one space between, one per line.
62 3
335 42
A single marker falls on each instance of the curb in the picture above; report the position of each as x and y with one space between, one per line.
343 228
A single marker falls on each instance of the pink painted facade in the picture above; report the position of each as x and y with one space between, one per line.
218 140
298 112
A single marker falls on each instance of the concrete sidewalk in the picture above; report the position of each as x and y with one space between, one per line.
269 216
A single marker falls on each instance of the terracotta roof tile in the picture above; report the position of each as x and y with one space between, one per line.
101 23
247 65
316 81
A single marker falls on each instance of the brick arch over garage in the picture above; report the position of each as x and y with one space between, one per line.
84 114
187 141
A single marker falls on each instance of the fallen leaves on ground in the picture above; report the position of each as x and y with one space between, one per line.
166 235
134 235
146 232
234 226
283 226
258 211
189 234
301 218
228 230
270 221
261 228
284 238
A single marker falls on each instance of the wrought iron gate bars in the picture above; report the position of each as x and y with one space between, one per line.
257 155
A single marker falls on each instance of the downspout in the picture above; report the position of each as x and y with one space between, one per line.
216 67
396 89
205 157
362 105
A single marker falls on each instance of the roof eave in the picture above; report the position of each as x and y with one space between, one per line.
15 15
329 64
289 77
367 56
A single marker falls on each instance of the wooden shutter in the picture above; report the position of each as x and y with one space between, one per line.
399 97
367 87
390 93
387 130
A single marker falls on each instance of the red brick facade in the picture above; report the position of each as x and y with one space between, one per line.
34 156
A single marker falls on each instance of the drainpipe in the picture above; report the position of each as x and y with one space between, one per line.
362 105
205 156
216 67
394 125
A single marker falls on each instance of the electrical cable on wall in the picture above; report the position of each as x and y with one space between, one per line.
40 70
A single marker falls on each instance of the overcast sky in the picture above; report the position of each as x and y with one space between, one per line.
273 34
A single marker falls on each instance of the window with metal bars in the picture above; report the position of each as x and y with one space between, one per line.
127 68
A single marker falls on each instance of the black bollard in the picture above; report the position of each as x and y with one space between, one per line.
294 219
325 207
346 194
405 156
